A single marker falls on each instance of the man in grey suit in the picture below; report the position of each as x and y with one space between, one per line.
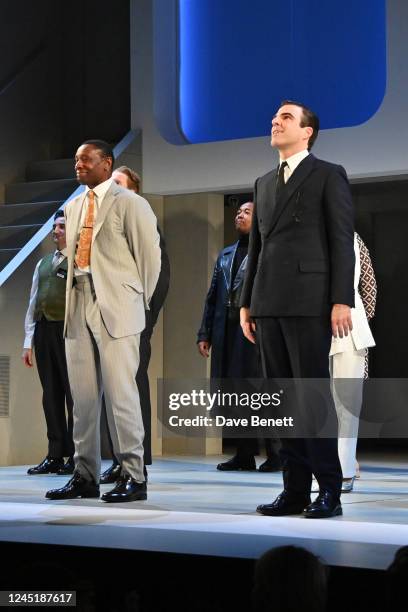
113 266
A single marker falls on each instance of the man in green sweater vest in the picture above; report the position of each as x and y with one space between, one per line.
44 324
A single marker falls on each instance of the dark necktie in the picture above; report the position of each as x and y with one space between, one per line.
56 260
280 180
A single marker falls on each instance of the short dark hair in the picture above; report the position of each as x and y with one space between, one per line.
133 177
102 146
58 214
309 119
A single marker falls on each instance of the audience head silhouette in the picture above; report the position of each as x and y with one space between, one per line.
290 579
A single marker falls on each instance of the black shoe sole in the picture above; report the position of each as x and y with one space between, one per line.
294 512
82 496
236 469
139 497
336 512
43 473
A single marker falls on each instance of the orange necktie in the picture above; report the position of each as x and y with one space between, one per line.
83 252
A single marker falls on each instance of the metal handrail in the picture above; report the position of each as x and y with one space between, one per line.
43 232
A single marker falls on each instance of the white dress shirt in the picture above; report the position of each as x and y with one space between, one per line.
29 323
100 192
293 161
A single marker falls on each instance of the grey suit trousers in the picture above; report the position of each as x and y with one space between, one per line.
98 363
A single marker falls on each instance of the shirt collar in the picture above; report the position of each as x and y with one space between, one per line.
294 160
101 189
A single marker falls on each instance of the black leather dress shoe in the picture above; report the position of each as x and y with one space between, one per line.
272 464
127 490
67 468
111 475
284 505
78 486
236 464
50 465
325 505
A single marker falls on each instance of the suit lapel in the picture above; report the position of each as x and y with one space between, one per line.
239 277
73 225
74 208
270 189
104 209
300 174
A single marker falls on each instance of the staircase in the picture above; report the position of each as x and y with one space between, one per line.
30 204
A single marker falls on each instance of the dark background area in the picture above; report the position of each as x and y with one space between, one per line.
162 582
64 77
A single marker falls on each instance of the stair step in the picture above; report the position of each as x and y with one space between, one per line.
50 169
7 255
15 236
40 191
28 213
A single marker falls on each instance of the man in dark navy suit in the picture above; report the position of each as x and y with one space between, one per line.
298 291
232 356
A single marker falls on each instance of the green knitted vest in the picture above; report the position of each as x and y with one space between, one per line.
51 291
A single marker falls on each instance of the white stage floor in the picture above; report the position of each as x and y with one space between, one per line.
194 509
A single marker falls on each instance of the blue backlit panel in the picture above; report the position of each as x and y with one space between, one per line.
233 61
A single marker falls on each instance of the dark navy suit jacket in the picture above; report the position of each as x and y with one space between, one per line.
301 253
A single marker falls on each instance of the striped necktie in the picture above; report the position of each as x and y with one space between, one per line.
56 260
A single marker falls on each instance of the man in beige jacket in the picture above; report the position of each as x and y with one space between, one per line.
113 267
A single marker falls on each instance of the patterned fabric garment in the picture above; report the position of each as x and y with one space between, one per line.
367 287
83 254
